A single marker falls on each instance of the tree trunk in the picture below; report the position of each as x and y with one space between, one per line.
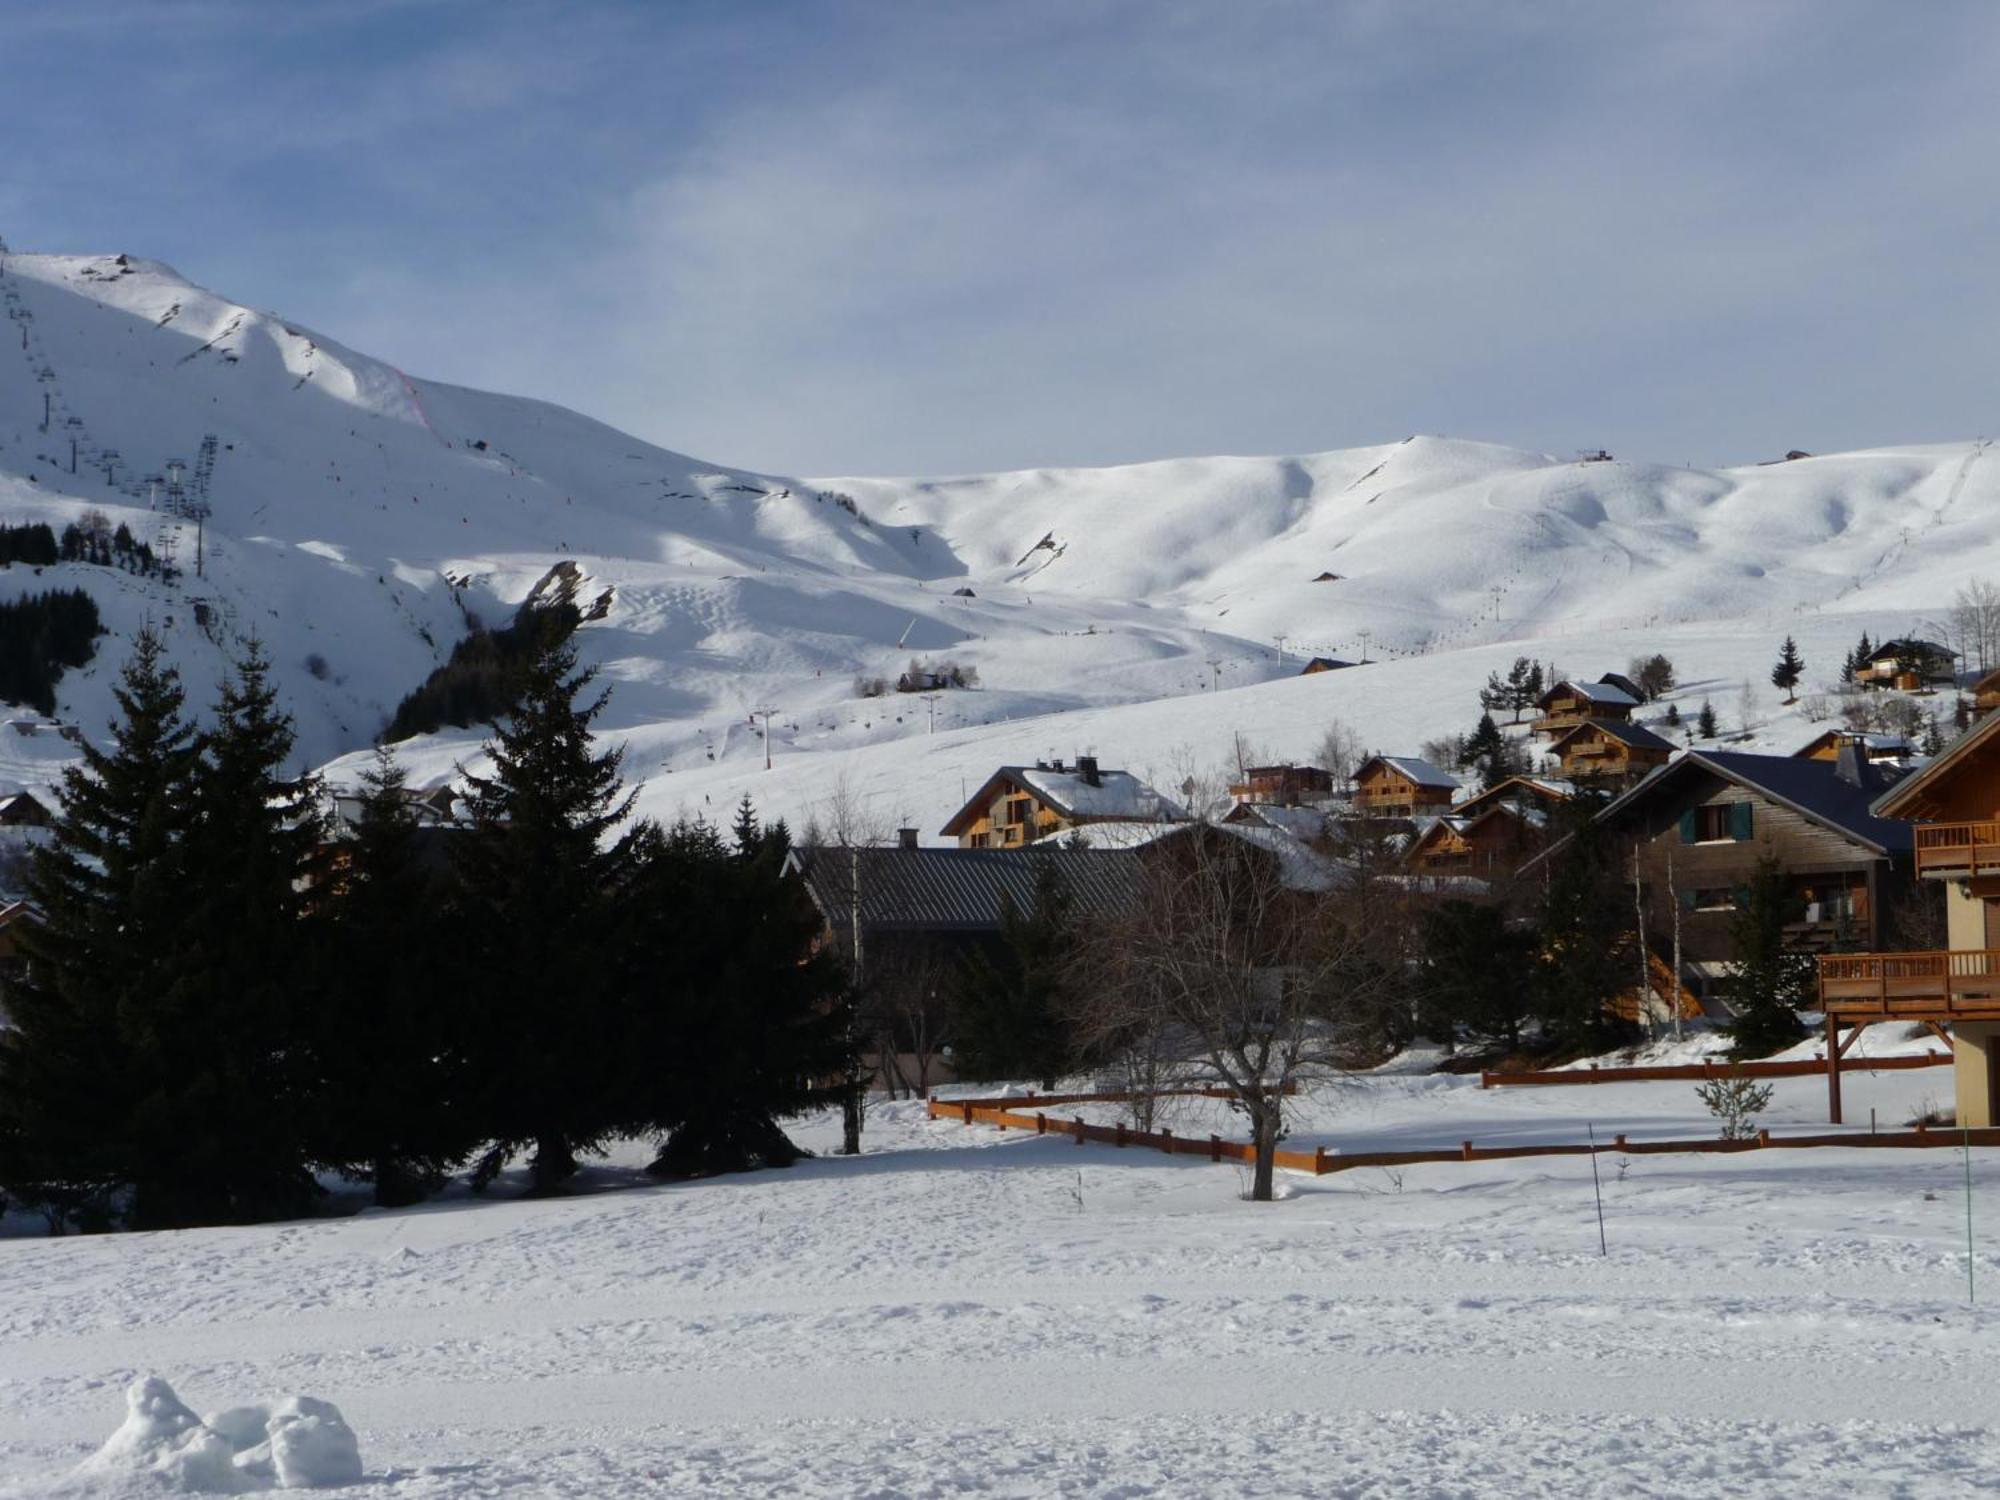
1264 1137
554 1162
850 1120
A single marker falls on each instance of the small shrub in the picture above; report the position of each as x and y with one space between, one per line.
1736 1101
316 664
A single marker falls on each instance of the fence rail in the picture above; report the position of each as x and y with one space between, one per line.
1808 1068
1321 1161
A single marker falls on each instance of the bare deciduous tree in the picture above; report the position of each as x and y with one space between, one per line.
1265 987
1338 753
1975 621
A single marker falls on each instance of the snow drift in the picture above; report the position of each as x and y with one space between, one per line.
292 1443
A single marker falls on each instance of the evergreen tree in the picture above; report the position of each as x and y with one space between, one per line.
1933 741
537 878
1471 962
1704 724
1484 741
384 1037
1584 935
1856 659
1654 676
1009 1003
225 1117
744 1019
1790 668
1768 983
1673 719
109 885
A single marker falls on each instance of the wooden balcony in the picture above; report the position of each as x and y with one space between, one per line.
1956 851
1933 986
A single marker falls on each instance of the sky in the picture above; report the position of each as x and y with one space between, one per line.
843 237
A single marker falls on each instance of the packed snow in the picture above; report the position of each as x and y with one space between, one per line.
965 1310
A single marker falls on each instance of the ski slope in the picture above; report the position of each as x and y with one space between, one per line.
362 519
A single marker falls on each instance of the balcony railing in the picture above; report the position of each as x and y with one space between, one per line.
1935 985
1958 849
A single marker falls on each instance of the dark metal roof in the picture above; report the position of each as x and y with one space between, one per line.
1636 735
1813 788
958 890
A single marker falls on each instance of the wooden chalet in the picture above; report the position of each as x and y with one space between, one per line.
17 918
1954 805
24 810
1986 693
1908 664
1624 685
1494 841
1019 805
1543 792
1570 703
1609 753
1701 826
1323 664
1883 749
1402 786
1283 786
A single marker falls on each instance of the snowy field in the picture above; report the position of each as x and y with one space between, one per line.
962 1311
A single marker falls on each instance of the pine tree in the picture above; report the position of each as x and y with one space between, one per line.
225 1118
1484 742
536 879
1790 668
1009 1002
746 1019
109 885
1470 967
1673 719
384 1035
1704 724
1768 983
1585 930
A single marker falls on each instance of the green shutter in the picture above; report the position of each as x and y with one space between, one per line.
1690 826
1741 820
1687 900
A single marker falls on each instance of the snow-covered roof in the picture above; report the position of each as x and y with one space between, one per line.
1596 692
1112 794
1422 772
1299 822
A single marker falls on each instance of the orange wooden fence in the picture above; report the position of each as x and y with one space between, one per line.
1320 1161
1808 1068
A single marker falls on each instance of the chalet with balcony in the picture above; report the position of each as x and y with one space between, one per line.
1402 786
1954 803
1018 805
1986 694
1605 752
1908 664
1492 842
1543 793
1570 703
1701 826
1283 786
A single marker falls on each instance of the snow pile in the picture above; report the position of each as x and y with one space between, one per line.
294 1443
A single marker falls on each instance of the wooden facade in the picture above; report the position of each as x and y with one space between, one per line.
1607 753
1569 704
1019 805
1880 748
1494 842
1909 664
1387 786
1283 786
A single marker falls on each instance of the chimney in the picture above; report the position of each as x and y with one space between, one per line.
1852 765
1086 767
906 838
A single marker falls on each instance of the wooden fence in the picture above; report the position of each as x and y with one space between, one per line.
1321 1161
1808 1068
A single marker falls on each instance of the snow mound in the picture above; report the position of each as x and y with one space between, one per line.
293 1443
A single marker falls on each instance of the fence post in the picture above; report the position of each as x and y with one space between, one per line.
1485 1079
1619 1140
967 1108
1167 1141
1319 1161
1041 1123
1077 1121
1763 1137
1215 1148
1121 1132
1465 1151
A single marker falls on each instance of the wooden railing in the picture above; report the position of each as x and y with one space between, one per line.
1664 1072
1930 985
1958 848
1321 1161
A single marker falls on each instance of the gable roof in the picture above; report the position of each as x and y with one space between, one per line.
1909 646
1812 788
1597 692
1422 772
1116 794
1305 823
1324 664
1874 744
1543 790
956 890
1624 685
1636 735
1905 798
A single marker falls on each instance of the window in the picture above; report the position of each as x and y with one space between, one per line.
1718 823
1713 898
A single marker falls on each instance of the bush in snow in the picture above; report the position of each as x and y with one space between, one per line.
1735 1101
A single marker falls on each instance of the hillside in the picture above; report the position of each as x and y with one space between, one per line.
360 520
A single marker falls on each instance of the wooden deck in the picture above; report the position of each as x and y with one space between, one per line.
1957 851
1940 985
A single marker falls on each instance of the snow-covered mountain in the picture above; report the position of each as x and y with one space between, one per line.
359 520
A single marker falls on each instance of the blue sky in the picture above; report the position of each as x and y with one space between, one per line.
862 236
